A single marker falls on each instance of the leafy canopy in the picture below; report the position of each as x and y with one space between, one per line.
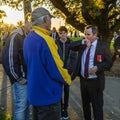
78 13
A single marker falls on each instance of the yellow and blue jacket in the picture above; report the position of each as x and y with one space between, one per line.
45 72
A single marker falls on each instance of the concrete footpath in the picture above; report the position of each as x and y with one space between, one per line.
111 100
111 95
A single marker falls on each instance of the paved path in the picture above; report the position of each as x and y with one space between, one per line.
111 96
111 99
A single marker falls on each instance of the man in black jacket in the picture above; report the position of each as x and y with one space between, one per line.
90 67
15 68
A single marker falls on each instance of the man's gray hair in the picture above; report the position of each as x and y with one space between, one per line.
39 20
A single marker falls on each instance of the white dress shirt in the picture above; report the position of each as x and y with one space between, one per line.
91 59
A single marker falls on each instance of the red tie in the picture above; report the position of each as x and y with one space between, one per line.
87 63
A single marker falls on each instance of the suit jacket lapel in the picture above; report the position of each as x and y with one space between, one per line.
97 51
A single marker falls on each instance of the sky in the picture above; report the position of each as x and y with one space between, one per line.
13 16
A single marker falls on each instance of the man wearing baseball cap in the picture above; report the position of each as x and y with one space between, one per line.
46 75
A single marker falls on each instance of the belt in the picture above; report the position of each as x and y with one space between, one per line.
88 78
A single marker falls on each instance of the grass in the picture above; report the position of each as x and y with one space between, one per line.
6 117
75 38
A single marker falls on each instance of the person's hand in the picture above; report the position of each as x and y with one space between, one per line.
23 81
93 70
88 43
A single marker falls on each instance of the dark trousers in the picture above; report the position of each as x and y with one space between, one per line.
50 112
116 48
65 100
92 96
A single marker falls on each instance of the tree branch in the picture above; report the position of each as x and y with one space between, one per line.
116 26
85 11
113 15
70 17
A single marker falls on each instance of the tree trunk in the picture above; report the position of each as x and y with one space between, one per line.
27 9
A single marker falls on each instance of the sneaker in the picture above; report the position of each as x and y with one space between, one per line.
65 116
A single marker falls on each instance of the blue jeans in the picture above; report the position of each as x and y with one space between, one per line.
21 111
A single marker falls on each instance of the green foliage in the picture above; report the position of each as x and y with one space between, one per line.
111 44
105 14
2 14
6 117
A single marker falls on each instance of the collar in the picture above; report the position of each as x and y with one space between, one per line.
39 29
66 41
94 43
62 40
